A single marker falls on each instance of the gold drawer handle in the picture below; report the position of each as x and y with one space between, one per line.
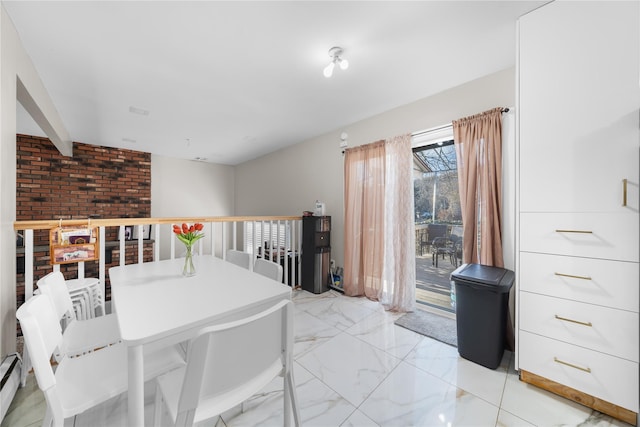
575 231
574 321
624 192
562 362
572 276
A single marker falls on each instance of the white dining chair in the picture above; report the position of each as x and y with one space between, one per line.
240 258
229 363
90 290
268 269
79 383
80 336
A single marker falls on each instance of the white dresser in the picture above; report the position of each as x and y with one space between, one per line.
578 202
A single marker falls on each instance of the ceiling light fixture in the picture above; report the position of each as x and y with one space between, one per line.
335 53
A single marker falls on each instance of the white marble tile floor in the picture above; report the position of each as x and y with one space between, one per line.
354 367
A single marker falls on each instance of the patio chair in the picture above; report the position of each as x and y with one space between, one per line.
456 238
442 246
436 231
429 234
424 240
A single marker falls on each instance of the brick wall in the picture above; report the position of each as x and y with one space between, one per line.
97 182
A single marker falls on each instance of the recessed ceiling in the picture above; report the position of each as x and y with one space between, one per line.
232 81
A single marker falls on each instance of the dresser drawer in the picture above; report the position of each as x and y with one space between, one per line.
610 378
603 329
602 282
591 235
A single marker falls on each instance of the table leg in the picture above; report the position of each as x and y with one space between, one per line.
287 402
136 385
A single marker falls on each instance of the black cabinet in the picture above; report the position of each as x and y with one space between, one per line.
316 253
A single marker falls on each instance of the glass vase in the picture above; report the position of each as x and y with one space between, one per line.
189 268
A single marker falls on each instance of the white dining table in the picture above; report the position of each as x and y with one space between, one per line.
156 306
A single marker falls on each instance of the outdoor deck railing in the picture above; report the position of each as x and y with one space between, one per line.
222 234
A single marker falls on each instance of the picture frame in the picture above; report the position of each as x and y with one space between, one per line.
128 232
144 229
146 232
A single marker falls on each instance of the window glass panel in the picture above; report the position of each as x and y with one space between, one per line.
436 184
438 218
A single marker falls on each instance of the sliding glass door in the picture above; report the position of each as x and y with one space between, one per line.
438 222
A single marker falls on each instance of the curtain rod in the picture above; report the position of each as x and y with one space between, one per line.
437 128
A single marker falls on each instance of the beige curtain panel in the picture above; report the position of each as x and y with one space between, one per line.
399 275
379 237
478 142
364 220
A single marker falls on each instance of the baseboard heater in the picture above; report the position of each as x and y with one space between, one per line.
10 370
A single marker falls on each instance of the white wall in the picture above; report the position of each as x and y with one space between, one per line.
289 181
15 64
188 188
7 193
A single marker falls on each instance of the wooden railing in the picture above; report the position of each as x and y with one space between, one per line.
222 234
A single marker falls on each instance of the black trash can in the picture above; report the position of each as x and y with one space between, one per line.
482 307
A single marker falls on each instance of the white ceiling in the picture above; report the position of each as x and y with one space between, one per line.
231 81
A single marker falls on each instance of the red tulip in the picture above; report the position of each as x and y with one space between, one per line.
189 234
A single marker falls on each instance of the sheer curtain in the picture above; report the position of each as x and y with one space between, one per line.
364 220
379 239
399 273
478 142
